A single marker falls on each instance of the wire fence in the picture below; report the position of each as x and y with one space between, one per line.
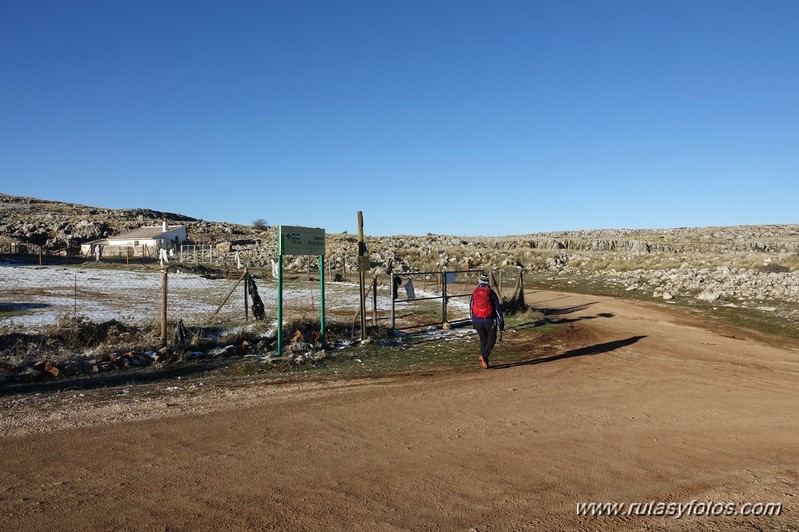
442 297
34 298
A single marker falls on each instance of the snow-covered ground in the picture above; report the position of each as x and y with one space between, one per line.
42 294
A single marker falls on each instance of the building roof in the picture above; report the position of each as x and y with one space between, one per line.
143 233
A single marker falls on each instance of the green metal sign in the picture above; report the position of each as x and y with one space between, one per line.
293 240
301 240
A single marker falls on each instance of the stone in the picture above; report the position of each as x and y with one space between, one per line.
222 351
708 295
668 295
298 347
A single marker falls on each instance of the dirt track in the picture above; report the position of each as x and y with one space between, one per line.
633 403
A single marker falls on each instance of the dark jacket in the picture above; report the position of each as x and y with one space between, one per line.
497 318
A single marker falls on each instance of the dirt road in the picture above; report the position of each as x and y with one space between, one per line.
625 402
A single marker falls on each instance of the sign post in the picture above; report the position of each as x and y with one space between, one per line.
293 240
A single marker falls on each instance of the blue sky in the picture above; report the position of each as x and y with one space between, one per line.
455 117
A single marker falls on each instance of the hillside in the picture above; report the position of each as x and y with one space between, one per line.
755 265
58 226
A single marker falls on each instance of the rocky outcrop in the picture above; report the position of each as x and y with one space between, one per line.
710 284
634 259
62 227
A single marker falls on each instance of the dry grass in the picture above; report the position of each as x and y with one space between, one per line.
67 336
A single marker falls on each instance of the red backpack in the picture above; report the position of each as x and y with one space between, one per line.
481 303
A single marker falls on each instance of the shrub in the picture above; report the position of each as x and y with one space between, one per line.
774 268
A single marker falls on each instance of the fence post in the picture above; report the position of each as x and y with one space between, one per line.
246 289
444 296
374 301
362 274
393 301
500 283
163 305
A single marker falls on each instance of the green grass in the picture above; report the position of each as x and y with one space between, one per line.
750 318
403 353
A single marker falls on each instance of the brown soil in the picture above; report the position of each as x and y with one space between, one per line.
622 402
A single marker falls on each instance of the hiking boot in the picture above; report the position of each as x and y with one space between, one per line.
484 361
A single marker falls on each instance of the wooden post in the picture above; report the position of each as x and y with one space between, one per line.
393 302
225 301
40 255
499 288
362 274
163 306
443 296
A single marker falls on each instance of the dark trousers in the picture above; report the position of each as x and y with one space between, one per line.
488 337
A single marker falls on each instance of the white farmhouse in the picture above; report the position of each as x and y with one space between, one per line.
142 242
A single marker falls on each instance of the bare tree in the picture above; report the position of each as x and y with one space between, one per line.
260 223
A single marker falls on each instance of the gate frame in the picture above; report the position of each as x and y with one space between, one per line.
444 297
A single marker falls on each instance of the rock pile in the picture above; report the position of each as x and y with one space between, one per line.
721 283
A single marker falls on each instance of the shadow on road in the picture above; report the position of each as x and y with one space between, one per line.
105 380
570 320
579 352
564 310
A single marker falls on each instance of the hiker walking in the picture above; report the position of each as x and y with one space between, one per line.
486 315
